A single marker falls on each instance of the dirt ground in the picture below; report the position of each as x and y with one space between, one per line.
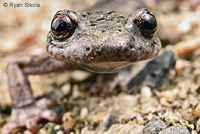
23 31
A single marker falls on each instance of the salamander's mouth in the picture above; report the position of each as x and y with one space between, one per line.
105 67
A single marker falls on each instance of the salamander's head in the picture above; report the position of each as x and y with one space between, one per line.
103 41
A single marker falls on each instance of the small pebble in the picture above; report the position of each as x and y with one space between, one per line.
145 95
68 121
57 127
43 131
66 89
84 113
169 95
196 110
27 132
198 125
80 75
60 132
86 130
75 91
124 129
177 129
198 81
180 65
194 132
97 117
154 126
183 89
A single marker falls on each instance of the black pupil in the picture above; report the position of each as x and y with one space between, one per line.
149 22
59 25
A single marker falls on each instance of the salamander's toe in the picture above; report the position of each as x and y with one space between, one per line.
28 117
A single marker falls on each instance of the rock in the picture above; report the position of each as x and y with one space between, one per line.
84 113
177 129
145 95
154 126
80 75
60 132
196 110
125 129
57 127
68 121
97 117
27 132
198 125
66 89
75 91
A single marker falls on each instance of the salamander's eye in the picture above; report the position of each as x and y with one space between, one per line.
62 27
147 23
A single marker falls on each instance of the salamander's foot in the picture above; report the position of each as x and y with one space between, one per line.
28 117
106 84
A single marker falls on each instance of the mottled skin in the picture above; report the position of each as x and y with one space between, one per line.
102 42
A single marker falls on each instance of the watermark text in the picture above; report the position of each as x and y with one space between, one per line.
18 5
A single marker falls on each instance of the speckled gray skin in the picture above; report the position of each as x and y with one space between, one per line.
104 42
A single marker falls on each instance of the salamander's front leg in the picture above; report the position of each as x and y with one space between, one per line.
25 113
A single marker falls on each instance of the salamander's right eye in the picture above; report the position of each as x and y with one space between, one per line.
62 27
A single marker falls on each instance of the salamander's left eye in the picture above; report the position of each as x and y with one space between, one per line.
62 27
147 23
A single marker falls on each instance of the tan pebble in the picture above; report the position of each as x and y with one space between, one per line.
60 132
140 119
198 81
27 132
183 89
57 127
43 131
145 94
1 120
198 125
184 26
9 46
180 65
131 122
85 130
171 117
68 121
66 89
163 101
170 95
84 113
194 132
80 75
75 91
97 117
182 93
125 129
61 78
196 110
196 72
